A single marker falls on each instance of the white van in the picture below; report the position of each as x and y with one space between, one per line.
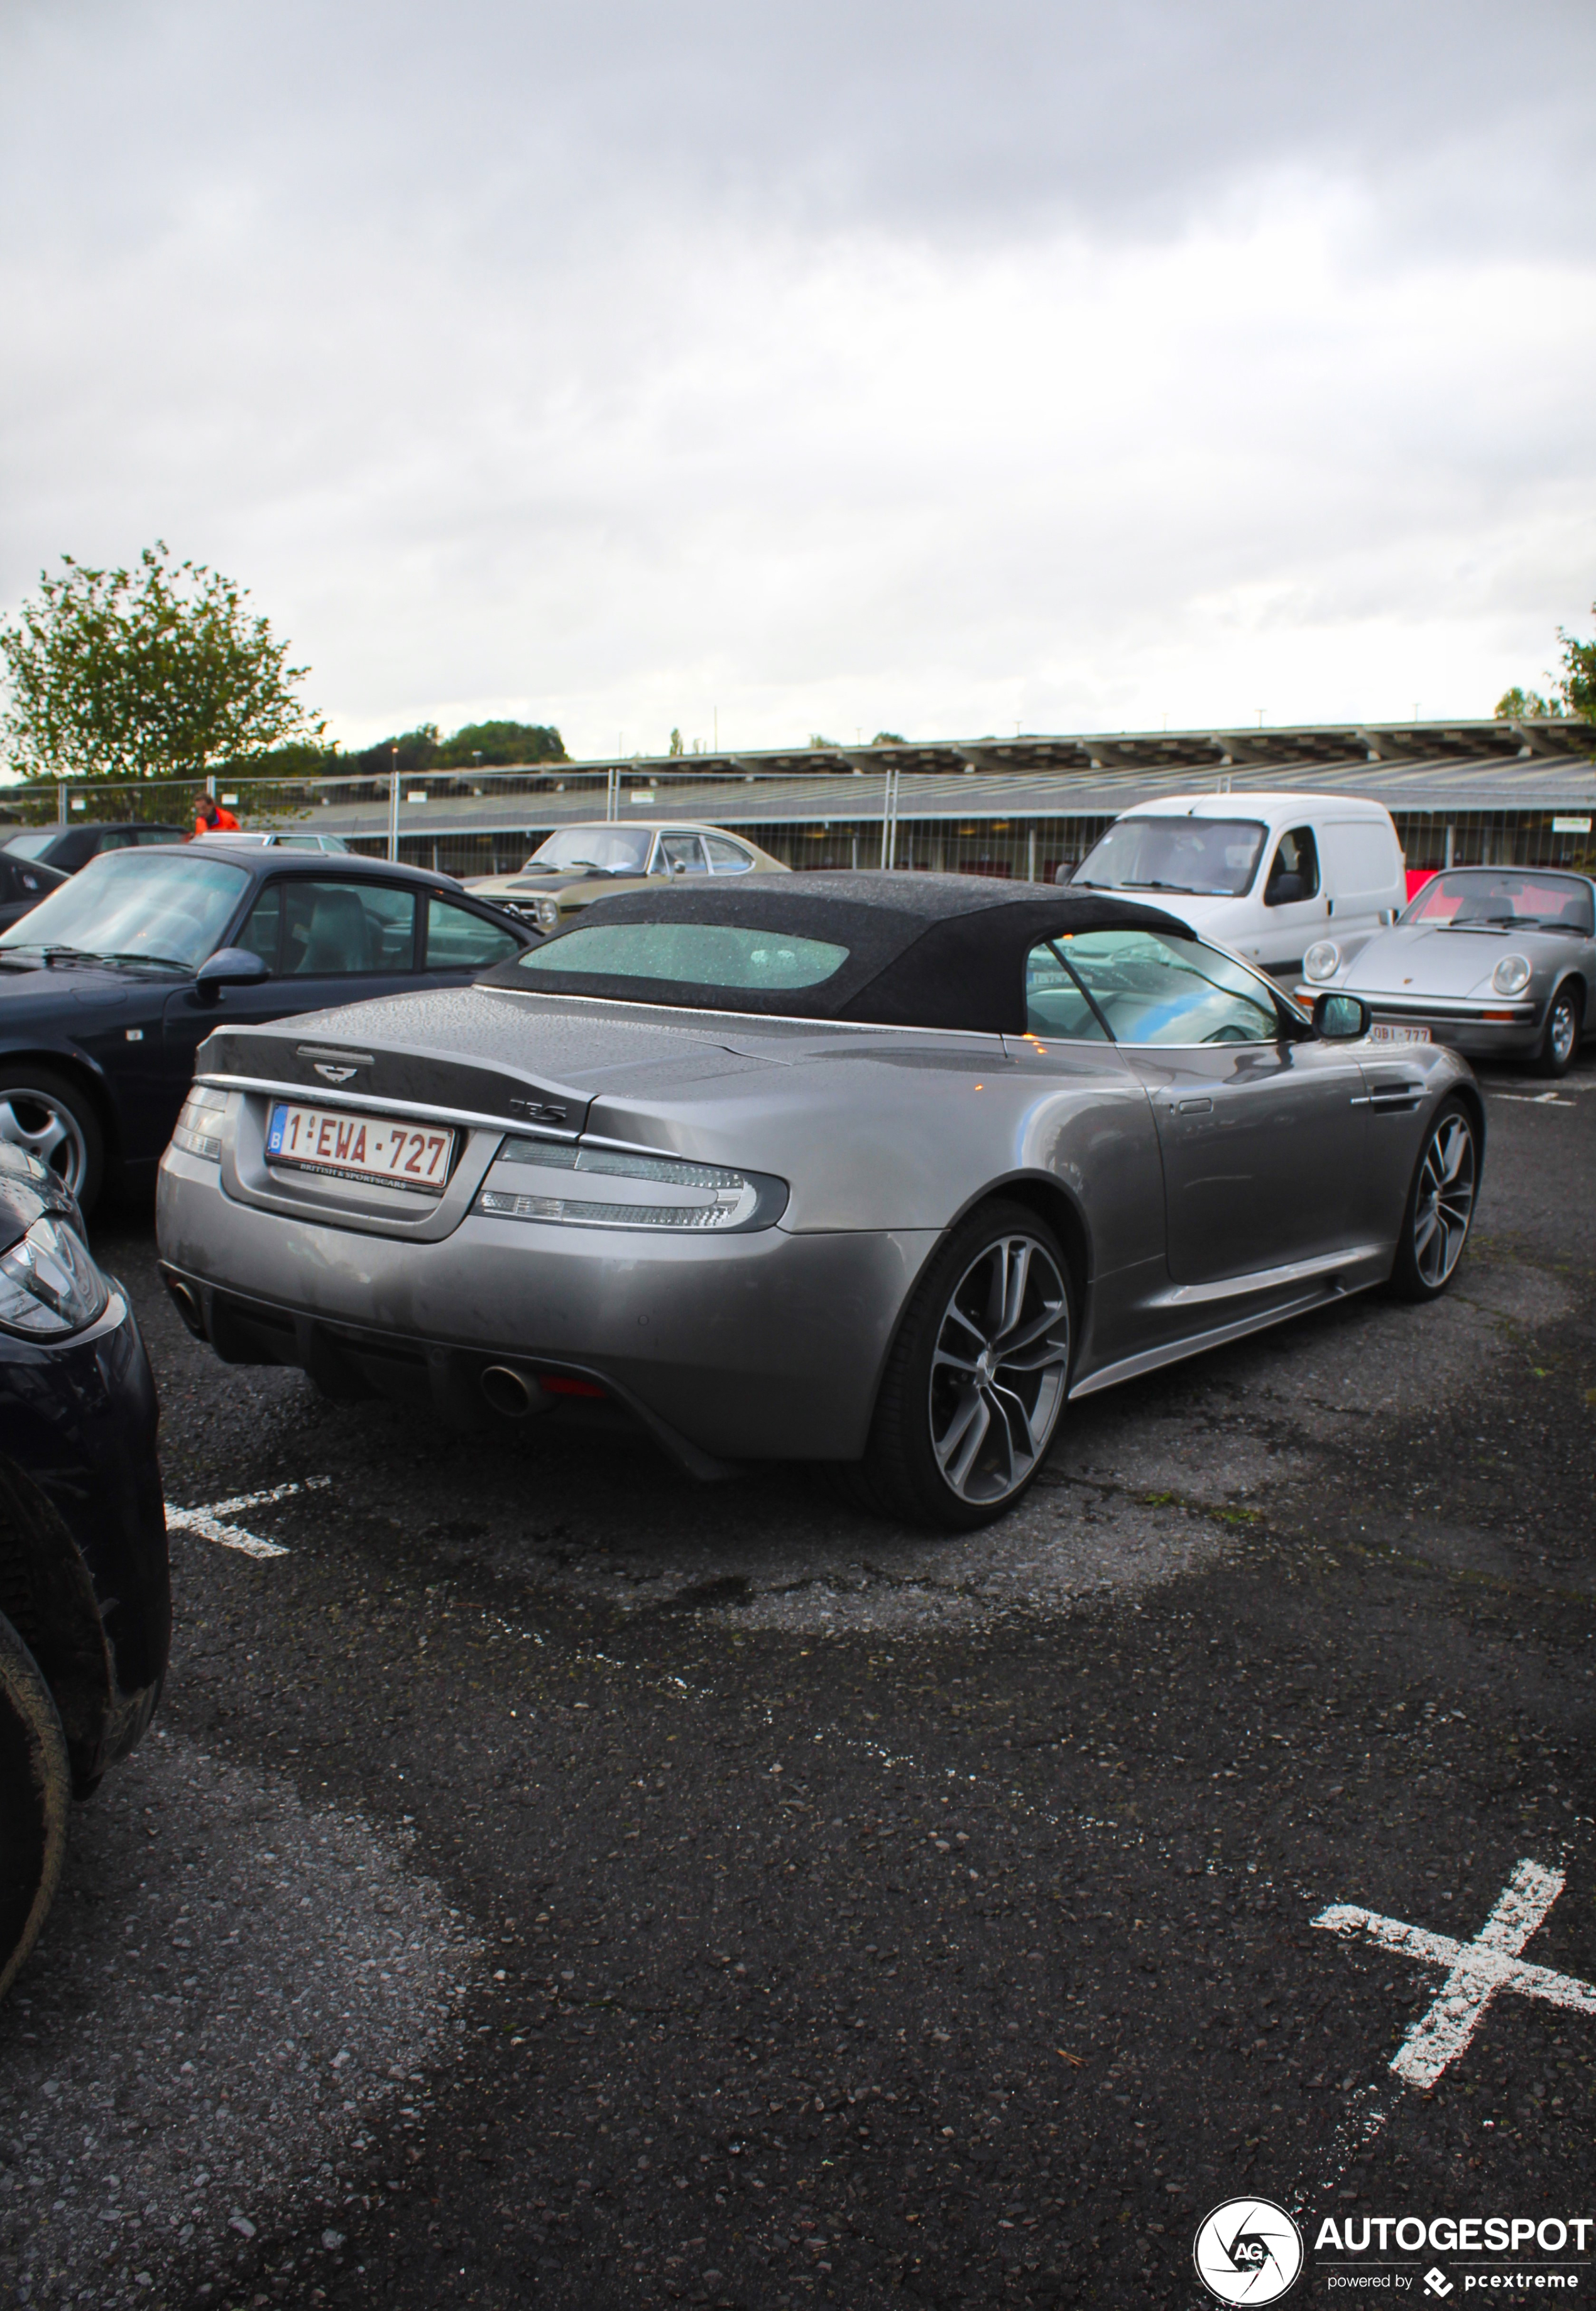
1263 874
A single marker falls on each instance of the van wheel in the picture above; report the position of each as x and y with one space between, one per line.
975 1384
35 1792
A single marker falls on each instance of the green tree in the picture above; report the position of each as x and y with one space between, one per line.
1579 675
502 743
889 738
1516 705
155 672
676 746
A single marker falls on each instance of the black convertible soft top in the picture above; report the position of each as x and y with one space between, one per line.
923 950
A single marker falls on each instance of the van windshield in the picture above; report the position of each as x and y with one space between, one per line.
1213 858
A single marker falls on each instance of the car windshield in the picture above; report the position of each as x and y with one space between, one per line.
30 846
139 906
1215 856
1497 898
620 849
688 955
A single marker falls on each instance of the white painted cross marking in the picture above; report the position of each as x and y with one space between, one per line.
210 1522
1475 1970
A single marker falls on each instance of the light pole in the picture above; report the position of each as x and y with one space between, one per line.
393 803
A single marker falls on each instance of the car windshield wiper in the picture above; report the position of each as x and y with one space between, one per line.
1187 889
137 955
53 952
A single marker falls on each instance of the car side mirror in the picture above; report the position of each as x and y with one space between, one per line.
230 966
1342 1018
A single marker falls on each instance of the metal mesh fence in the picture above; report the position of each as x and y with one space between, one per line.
1014 824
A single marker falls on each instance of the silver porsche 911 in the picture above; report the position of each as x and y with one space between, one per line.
876 1170
1499 962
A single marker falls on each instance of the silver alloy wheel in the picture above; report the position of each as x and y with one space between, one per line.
998 1369
1562 1030
1445 1202
37 1122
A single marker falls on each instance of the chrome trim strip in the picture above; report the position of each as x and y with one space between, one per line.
311 1095
759 1018
1463 1009
1268 1279
1174 1351
516 1127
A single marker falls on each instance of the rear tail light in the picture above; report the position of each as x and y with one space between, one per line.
198 1129
530 1181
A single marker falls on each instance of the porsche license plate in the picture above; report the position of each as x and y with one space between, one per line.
361 1146
1384 1032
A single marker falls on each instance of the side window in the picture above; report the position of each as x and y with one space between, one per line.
1294 871
333 929
1054 1003
682 854
726 858
156 835
458 940
119 838
1153 990
259 934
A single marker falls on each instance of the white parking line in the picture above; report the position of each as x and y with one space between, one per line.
1475 1970
210 1522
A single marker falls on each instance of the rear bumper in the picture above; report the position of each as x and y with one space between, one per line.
761 1347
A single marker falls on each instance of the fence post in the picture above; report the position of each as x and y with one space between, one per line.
61 814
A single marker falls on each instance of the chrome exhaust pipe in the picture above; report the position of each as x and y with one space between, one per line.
512 1393
186 1303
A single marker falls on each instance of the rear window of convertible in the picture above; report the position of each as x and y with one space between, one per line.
689 955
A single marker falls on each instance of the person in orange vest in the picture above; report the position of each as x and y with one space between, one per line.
211 817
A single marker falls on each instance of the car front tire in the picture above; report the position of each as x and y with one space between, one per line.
1440 1208
1559 1042
975 1385
35 1793
53 1120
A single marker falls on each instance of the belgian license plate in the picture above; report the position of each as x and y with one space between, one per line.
1383 1033
361 1146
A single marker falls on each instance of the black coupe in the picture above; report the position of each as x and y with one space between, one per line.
109 986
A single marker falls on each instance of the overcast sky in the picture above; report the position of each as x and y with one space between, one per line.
624 363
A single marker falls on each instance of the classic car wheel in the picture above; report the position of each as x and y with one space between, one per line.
35 1792
1439 1206
976 1379
53 1120
1560 1041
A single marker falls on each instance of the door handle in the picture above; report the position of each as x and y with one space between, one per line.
1194 1107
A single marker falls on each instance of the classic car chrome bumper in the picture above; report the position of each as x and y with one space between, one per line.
764 1346
1479 1030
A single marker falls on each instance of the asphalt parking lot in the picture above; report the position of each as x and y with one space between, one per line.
555 1882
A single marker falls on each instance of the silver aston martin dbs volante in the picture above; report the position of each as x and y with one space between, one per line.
1499 962
878 1170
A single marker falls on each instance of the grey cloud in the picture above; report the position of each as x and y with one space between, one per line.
920 116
